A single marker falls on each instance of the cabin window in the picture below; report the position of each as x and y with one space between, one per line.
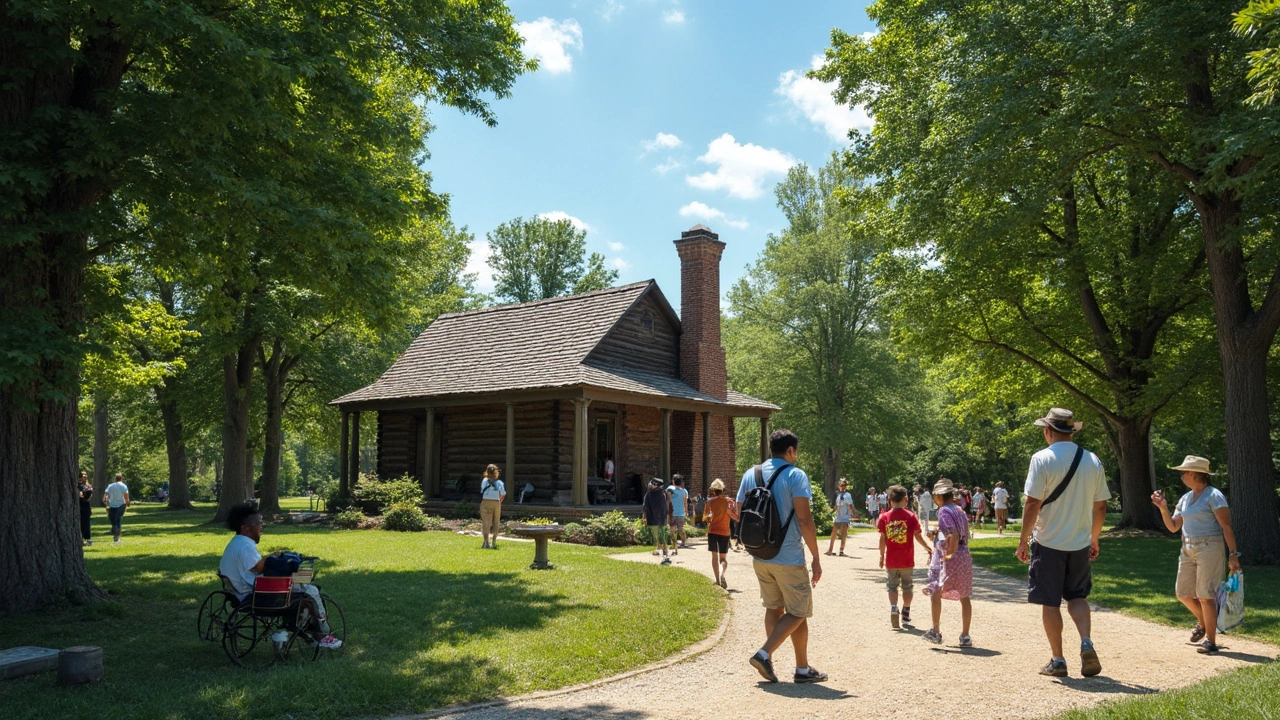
646 322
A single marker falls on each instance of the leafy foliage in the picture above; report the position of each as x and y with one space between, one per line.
348 519
539 258
402 491
404 517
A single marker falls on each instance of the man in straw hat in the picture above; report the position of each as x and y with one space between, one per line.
1066 504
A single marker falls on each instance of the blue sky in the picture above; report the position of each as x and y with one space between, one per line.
646 117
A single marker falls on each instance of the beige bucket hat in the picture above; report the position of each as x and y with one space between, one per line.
943 487
1194 463
1060 419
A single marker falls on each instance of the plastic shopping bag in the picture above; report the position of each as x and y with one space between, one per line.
937 571
1231 602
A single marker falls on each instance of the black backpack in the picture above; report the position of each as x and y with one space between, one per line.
759 526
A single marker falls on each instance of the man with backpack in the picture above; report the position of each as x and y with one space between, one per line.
774 521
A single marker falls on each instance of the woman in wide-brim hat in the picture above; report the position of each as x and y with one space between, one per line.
951 567
1202 516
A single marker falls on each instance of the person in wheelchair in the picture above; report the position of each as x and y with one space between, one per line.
241 563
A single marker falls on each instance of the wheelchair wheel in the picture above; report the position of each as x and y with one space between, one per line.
302 645
247 640
214 611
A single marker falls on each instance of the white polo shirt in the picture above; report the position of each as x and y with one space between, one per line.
1066 523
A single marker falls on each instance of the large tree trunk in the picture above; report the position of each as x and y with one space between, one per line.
176 447
273 377
1244 336
237 376
830 470
1132 439
101 477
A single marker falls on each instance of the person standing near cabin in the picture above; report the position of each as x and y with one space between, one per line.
85 493
608 475
492 493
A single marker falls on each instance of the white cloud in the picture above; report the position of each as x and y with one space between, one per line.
741 169
702 211
478 264
611 8
813 99
661 141
673 17
617 263
555 215
549 41
617 246
666 167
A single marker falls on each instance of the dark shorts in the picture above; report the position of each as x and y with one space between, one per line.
115 515
1058 575
718 543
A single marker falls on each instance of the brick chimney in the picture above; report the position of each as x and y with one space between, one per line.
702 361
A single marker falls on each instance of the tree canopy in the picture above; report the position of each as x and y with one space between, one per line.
541 258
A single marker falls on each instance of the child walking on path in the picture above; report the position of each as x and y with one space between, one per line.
951 568
718 512
898 528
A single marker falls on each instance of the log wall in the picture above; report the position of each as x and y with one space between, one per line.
643 339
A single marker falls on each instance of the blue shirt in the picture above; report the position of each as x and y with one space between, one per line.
678 497
792 482
1198 519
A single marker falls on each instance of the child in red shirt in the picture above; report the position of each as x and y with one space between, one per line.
897 555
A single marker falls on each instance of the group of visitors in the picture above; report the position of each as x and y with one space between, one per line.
1066 497
115 498
665 512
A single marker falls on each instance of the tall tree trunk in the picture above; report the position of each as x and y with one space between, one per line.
101 416
237 376
273 372
176 447
1132 438
830 470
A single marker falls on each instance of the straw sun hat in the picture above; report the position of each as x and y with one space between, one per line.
1194 463
1061 420
944 487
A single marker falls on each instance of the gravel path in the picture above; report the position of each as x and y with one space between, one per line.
877 671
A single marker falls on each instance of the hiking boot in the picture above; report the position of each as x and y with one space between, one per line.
1208 647
1055 668
810 675
933 636
966 641
1089 663
906 616
1197 634
764 666
329 642
893 619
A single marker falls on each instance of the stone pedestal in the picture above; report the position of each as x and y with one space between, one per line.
80 665
26 660
541 535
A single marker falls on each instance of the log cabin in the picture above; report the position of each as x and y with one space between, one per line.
551 390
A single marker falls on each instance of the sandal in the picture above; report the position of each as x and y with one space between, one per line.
1197 633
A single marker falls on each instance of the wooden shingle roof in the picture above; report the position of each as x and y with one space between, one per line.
531 346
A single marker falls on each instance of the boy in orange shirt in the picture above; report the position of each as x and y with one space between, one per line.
897 528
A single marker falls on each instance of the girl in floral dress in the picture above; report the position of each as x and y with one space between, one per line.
951 567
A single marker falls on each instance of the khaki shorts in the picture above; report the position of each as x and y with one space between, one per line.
899 576
1202 566
786 587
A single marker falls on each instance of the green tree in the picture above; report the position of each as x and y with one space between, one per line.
1050 90
538 258
804 332
1260 19
96 95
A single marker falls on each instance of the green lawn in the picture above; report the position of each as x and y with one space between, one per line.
1136 576
432 620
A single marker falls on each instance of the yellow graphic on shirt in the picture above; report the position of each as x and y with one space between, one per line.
895 531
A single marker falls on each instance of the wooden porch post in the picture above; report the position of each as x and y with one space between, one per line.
353 474
706 450
429 472
764 439
664 454
580 451
509 472
344 484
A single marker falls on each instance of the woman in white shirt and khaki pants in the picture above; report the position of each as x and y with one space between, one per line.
492 493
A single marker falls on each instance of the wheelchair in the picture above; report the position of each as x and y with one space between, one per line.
271 624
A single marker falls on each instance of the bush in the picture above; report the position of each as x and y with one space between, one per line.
538 521
823 515
404 517
348 519
334 502
613 529
463 510
402 491
578 535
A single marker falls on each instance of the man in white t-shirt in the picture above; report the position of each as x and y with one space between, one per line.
924 507
1000 501
115 499
873 506
1065 507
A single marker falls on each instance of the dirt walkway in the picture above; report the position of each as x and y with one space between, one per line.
880 672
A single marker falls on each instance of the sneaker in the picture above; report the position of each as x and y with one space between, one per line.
828 553
666 561
329 642
764 666
1208 647
485 546
842 554
1089 663
724 583
933 636
1055 668
1197 633
810 675
893 619
966 641
906 616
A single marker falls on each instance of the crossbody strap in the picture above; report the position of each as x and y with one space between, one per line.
1062 486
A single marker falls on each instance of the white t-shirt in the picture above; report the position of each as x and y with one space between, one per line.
925 502
608 468
492 489
883 501
115 493
872 504
241 555
1067 523
1000 496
